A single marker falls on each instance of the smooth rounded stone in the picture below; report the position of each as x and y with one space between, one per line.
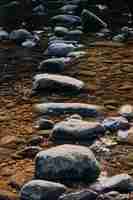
125 136
28 44
74 35
126 111
59 49
60 31
80 195
122 183
41 190
90 22
54 40
68 9
20 35
82 109
54 65
120 38
66 20
44 124
75 116
104 33
75 129
115 123
56 82
4 35
67 163
77 54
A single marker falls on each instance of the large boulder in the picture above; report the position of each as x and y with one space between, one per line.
82 109
41 190
67 163
56 82
76 129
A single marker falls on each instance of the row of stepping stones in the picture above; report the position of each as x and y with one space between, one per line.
58 167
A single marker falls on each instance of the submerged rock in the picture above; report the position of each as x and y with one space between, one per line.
75 129
39 189
56 82
67 163
68 108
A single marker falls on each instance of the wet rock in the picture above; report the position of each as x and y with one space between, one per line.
59 49
80 195
28 44
126 111
39 189
67 163
68 108
74 35
66 20
44 124
122 183
68 9
76 54
90 22
29 152
20 35
56 82
60 31
75 129
54 65
115 123
4 35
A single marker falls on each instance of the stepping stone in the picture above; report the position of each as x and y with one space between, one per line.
67 163
77 130
39 189
82 109
56 82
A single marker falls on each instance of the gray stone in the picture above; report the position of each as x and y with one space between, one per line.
54 65
126 111
60 31
77 54
20 35
67 163
82 109
73 35
56 82
41 190
121 183
80 195
4 35
75 129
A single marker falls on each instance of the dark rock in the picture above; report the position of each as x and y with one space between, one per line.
113 196
44 124
90 22
59 49
68 9
122 183
29 152
80 195
35 140
20 35
60 31
68 108
75 129
28 44
67 163
74 35
39 190
4 35
54 65
66 20
56 82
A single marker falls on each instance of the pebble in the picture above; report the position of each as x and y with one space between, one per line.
126 111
